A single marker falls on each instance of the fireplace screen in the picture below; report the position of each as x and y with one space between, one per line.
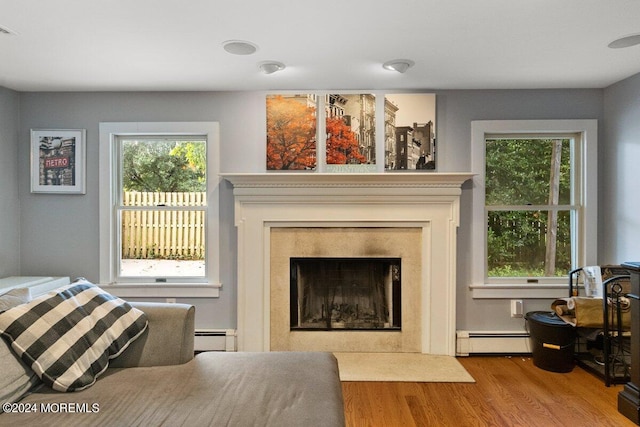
345 294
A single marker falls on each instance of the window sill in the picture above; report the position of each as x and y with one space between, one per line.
506 291
165 290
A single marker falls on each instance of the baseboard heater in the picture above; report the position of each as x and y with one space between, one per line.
215 340
492 342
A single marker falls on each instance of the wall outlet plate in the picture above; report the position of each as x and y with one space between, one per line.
516 308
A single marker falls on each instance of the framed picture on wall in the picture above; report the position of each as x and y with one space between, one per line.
58 161
410 132
343 132
291 132
350 132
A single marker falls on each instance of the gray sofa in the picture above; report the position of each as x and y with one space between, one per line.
157 381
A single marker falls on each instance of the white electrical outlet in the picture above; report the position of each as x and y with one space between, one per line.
516 308
171 300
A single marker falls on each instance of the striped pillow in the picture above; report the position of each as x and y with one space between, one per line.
69 335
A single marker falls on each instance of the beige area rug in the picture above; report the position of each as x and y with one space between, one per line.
401 367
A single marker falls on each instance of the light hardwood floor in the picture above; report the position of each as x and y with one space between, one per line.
509 391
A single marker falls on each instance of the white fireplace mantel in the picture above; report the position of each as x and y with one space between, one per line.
428 201
348 184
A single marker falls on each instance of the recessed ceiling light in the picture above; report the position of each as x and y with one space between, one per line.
399 65
270 67
239 47
626 41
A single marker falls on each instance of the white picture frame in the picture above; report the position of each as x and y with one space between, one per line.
58 161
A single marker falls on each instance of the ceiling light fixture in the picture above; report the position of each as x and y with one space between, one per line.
239 47
399 65
626 41
270 67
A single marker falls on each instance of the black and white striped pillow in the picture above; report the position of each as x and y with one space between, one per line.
69 335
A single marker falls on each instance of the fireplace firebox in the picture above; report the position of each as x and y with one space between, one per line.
345 294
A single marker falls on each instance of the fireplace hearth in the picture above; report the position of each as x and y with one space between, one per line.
345 294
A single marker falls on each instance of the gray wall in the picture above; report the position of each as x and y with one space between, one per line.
456 110
9 201
619 191
59 233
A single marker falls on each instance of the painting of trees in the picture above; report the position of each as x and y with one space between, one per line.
291 133
351 130
342 144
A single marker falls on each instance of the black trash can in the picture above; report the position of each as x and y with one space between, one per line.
552 341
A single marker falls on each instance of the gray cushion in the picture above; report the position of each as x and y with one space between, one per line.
286 389
17 378
68 335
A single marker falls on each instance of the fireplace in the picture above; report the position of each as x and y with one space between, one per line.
412 217
357 249
345 294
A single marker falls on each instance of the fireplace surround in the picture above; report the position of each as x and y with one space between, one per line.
382 242
270 205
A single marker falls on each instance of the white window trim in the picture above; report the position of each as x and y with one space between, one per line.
109 131
587 250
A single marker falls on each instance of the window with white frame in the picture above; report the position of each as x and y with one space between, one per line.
534 205
159 208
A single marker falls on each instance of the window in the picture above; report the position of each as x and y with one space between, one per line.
159 209
529 205
534 213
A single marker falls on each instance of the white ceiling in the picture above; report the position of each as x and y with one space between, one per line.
108 45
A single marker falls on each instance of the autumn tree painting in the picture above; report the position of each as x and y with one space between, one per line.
291 133
342 144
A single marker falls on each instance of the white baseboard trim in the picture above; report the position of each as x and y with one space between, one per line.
215 340
492 342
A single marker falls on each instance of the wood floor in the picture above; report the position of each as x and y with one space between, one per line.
509 391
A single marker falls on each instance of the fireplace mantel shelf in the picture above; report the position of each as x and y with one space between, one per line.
388 179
